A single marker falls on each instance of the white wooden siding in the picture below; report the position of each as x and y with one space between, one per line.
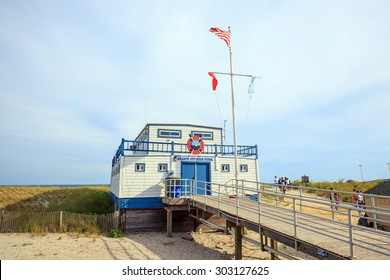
115 179
149 183
219 177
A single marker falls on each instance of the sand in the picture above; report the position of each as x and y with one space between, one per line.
132 246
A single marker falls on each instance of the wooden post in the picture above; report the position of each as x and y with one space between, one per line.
116 217
261 239
2 218
169 221
60 220
274 245
121 220
196 221
238 242
228 225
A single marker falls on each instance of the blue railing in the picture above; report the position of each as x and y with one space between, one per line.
145 147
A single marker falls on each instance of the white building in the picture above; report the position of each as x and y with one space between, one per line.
183 151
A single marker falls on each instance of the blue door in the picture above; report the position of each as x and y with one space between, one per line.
197 171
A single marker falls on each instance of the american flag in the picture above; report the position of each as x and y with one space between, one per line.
224 35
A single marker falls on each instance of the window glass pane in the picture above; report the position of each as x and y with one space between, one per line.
204 135
162 167
243 167
139 167
169 133
225 167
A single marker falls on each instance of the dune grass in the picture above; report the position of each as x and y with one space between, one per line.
340 186
86 209
83 200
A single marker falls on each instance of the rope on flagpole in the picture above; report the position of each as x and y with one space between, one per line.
247 111
219 108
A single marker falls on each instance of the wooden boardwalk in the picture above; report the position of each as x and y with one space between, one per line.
322 237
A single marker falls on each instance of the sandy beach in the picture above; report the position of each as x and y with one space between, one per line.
132 246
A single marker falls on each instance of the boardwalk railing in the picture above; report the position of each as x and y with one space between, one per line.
296 211
56 221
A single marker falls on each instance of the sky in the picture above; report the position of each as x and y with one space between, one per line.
78 76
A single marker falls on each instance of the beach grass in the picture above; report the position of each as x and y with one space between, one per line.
321 188
83 200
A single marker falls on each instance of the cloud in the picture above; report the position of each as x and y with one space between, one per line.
77 77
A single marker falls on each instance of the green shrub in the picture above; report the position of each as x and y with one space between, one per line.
115 233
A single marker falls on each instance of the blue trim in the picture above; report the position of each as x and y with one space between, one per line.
138 146
120 152
197 171
137 203
166 147
256 152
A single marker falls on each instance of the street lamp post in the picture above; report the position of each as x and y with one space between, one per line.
361 172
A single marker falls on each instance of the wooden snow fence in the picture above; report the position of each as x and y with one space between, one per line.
55 221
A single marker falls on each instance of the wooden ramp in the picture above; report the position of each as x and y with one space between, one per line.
335 237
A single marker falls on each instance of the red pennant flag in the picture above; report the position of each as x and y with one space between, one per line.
215 81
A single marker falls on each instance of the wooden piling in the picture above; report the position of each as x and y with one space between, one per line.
169 221
238 242
274 245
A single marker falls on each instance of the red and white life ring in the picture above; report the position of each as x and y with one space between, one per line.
195 145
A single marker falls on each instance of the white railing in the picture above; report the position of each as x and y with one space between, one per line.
267 201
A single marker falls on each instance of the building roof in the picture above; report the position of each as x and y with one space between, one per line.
181 124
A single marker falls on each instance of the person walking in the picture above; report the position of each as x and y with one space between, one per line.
337 200
331 197
360 201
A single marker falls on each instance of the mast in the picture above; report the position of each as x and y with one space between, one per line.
226 36
234 118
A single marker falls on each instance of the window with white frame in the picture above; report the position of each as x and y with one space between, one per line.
140 167
162 167
243 167
225 167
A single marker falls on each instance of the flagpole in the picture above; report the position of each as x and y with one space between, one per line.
226 36
234 123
